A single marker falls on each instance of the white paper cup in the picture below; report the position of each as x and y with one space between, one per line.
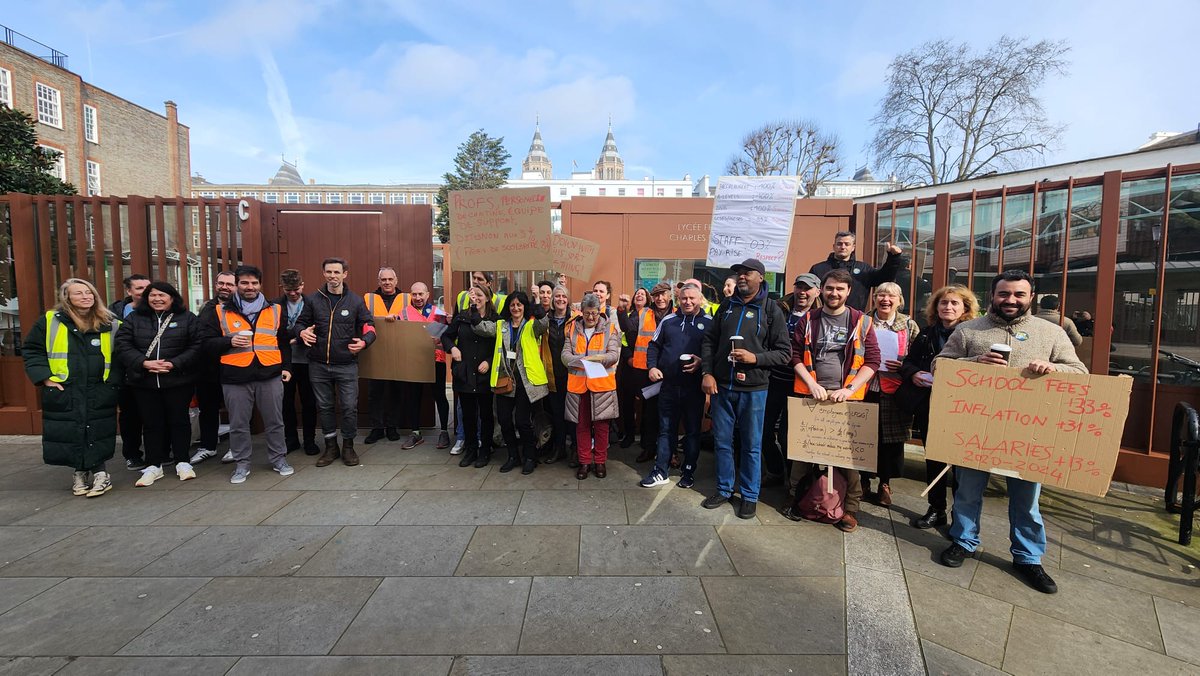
1001 349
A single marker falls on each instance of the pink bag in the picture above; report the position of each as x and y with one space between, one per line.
817 503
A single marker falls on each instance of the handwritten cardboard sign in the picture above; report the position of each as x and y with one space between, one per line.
501 229
401 351
574 256
752 218
841 435
1060 429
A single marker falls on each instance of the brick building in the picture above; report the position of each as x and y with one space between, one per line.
109 146
287 187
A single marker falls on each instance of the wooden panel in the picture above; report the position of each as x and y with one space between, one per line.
82 243
139 236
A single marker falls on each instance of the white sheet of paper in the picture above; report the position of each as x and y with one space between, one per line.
594 369
651 390
889 346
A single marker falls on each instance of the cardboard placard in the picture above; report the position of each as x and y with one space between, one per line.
500 229
840 435
752 218
574 256
1059 429
401 351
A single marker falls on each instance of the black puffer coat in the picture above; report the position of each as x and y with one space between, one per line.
180 345
475 350
79 423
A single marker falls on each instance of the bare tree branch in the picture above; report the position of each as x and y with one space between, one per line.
789 148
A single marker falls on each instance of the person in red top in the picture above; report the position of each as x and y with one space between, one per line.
419 309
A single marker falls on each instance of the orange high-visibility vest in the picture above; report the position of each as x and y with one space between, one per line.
646 325
859 358
378 308
577 382
266 336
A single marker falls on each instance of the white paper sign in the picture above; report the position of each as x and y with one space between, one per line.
752 218
594 369
889 347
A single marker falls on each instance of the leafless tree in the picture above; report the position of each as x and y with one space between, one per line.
789 148
950 114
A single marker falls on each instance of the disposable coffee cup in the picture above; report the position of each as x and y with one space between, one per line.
685 358
735 342
245 333
1002 350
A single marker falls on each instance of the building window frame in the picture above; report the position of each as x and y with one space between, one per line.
271 197
312 198
376 198
6 87
91 124
60 165
334 198
397 198
356 198
420 198
291 198
93 178
49 108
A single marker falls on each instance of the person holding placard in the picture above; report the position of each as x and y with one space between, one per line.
834 355
419 309
745 340
590 351
862 276
894 331
805 292
1036 347
469 355
384 397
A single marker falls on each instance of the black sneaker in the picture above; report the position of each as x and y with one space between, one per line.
932 519
529 466
393 434
375 435
1035 576
955 555
714 501
746 509
135 465
686 481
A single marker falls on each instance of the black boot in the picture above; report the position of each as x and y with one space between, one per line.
332 452
311 447
375 435
513 461
933 518
485 456
557 453
468 457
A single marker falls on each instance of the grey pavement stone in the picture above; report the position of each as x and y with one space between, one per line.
942 611
453 508
808 549
620 476
439 616
873 545
31 666
244 550
1068 649
554 477
40 478
571 507
879 621
920 549
338 477
342 666
619 615
335 508
678 507
437 478
18 541
766 665
17 505
86 616
1164 572
554 665
114 666
16 591
102 551
942 661
384 551
262 616
652 550
226 508
11 467
522 550
211 475
117 508
390 453
741 606
1179 625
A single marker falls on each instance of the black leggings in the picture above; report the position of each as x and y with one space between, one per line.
516 415
166 428
415 394
478 422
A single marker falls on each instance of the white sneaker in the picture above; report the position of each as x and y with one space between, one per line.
185 470
79 486
201 455
150 475
227 458
457 448
239 476
284 469
101 484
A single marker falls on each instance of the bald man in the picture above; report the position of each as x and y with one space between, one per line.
419 309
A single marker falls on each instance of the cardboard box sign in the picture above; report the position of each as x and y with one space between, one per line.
841 435
501 229
574 256
1059 429
401 351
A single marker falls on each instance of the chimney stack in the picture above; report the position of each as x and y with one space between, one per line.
173 146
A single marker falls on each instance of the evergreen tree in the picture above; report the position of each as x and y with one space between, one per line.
481 163
24 165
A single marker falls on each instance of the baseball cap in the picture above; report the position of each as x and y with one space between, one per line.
750 264
807 278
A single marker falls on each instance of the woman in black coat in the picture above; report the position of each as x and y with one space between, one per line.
556 402
159 346
470 354
80 391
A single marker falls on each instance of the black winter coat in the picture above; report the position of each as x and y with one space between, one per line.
475 350
79 423
864 275
557 336
763 328
336 320
180 345
919 358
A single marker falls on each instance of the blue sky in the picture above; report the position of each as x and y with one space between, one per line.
383 91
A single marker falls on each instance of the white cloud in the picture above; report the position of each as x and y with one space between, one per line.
281 107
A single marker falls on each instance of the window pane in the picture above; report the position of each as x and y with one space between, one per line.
987 247
1018 217
960 246
1179 340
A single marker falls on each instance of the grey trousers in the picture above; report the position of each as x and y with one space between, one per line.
341 380
240 400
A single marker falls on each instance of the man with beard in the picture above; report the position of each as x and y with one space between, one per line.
863 276
1037 347
419 309
208 387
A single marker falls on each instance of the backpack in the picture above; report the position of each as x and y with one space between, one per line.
814 502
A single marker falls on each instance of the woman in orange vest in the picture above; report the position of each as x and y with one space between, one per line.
591 402
894 422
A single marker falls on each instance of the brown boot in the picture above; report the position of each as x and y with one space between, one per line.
600 470
332 452
885 495
348 455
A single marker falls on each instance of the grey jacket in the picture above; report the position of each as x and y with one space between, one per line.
1029 337
603 404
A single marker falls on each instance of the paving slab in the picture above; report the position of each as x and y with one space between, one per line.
16 505
18 541
101 551
224 508
522 550
342 666
15 591
1068 649
556 477
653 550
880 624
439 616
1180 625
1165 572
31 666
810 550
260 616
453 508
555 665
390 453
942 610
942 661
86 616
620 476
873 545
116 508
338 477
757 615
548 507
920 551
766 665
335 508
243 551
437 478
43 478
619 615
211 475
114 666
678 506
384 551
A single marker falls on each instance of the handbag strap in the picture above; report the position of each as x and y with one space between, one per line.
162 326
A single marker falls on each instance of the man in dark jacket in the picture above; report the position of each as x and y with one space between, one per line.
208 386
130 417
292 301
746 339
336 325
864 276
674 359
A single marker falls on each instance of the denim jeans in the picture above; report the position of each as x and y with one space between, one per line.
743 410
340 381
676 402
1025 527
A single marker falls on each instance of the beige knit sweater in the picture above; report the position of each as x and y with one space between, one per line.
1029 337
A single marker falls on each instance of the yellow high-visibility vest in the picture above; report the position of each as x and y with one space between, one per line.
57 348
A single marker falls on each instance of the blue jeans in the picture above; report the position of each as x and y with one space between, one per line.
1025 527
743 410
677 402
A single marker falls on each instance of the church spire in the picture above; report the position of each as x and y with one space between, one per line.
610 166
537 161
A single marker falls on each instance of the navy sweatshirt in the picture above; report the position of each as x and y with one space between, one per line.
677 334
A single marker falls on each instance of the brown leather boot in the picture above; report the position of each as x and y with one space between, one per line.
348 455
332 452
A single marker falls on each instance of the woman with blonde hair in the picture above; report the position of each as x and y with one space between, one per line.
69 354
894 421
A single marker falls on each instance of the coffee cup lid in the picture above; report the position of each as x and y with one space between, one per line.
1000 347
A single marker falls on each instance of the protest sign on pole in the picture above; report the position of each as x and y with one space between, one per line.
752 218
574 256
401 351
1059 429
835 434
501 229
